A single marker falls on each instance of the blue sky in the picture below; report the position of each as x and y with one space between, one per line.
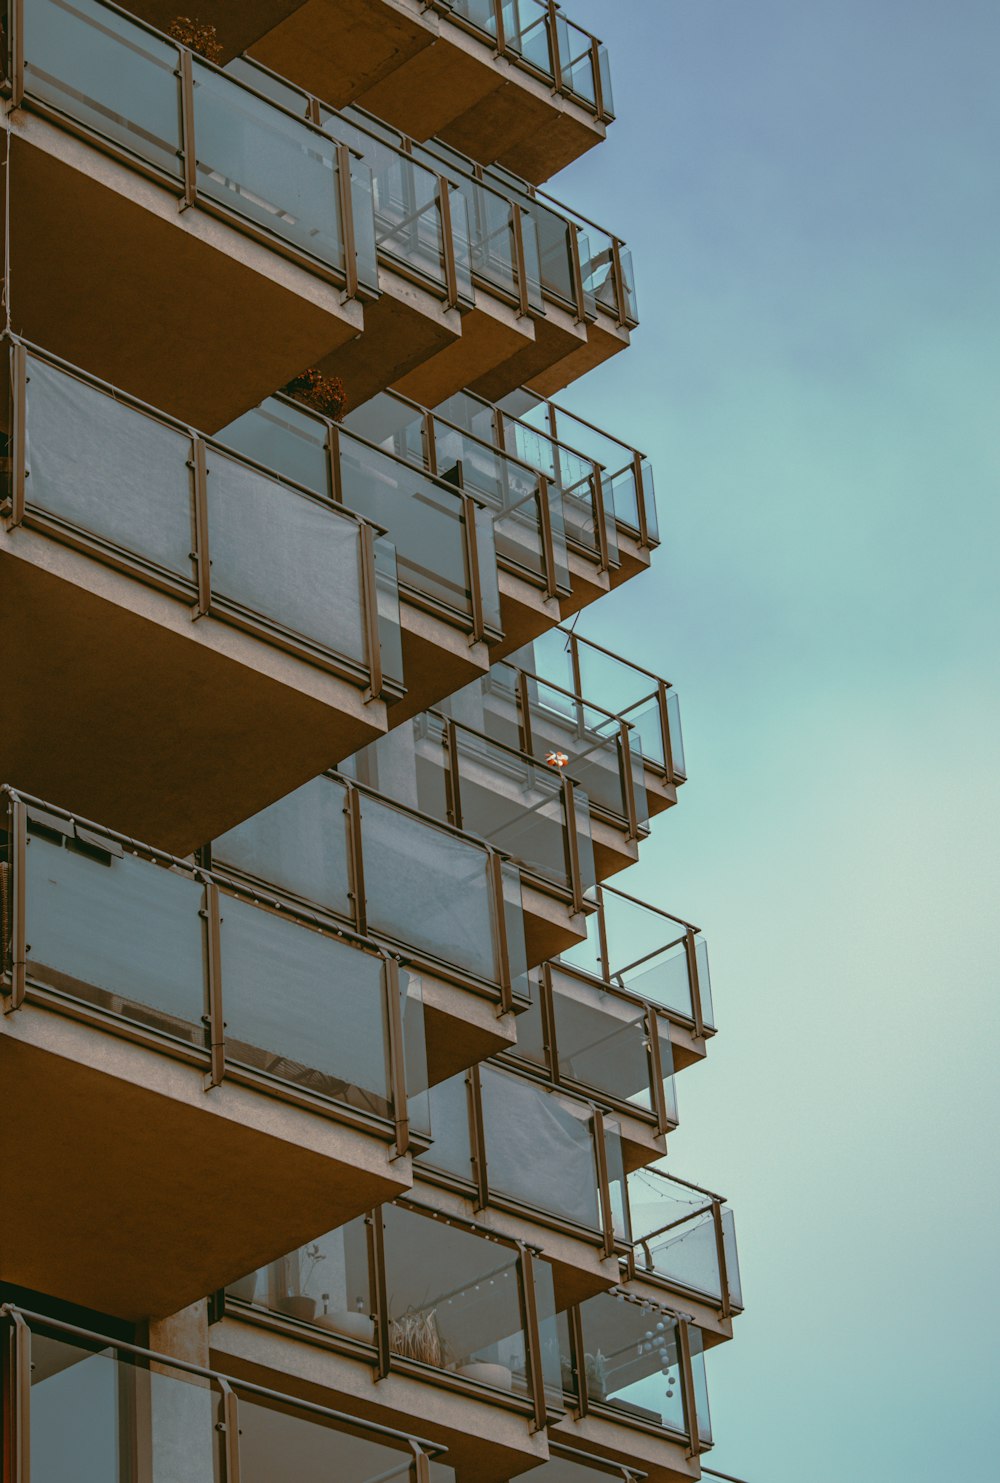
811 193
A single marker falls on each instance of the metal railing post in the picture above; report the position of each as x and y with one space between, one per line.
379 1293
185 72
352 808
18 452
397 1056
229 1426
545 529
447 244
16 1399
640 500
15 54
577 271
469 508
656 1070
572 842
495 872
346 205
529 1322
18 904
520 260
720 1249
369 598
201 555
603 1184
668 752
453 781
628 782
214 1020
687 1388
477 1138
691 954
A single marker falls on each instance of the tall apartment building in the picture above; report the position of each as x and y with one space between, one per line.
333 1064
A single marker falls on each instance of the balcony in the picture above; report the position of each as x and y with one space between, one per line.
534 815
685 1241
76 1395
445 906
270 1069
604 1045
443 537
660 959
599 751
643 700
548 536
634 1379
153 197
167 595
456 1324
483 281
551 437
511 80
539 1165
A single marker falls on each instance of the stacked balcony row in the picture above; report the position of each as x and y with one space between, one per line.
363 253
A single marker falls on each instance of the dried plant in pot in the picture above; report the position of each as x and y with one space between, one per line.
198 36
324 394
417 1336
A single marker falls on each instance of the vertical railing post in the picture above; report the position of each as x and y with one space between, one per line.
429 439
578 1359
577 271
15 54
335 472
494 869
640 500
668 752
601 519
18 883
628 782
215 1023
602 937
550 1031
545 529
603 1184
355 846
18 450
453 781
477 1137
501 32
397 1055
469 508
185 71
447 244
572 842
687 1387
378 1290
720 1251
520 259
595 69
369 598
574 662
552 26
691 954
201 555
533 1345
16 1417
524 712
345 203
229 1427
420 1466
659 1096
621 301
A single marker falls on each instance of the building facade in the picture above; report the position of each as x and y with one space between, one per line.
339 1065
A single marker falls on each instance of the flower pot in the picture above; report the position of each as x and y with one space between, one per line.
244 1289
352 1325
296 1306
499 1376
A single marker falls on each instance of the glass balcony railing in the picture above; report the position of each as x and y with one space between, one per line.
219 144
686 1237
649 953
548 436
423 1295
139 491
539 37
600 1044
514 1144
598 750
338 190
454 225
636 1360
648 703
164 950
93 1407
533 814
447 902
443 537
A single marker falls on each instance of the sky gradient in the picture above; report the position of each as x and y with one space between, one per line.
811 194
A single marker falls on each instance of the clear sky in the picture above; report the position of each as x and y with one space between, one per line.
811 191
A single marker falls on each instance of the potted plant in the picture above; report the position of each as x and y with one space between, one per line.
324 394
197 36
